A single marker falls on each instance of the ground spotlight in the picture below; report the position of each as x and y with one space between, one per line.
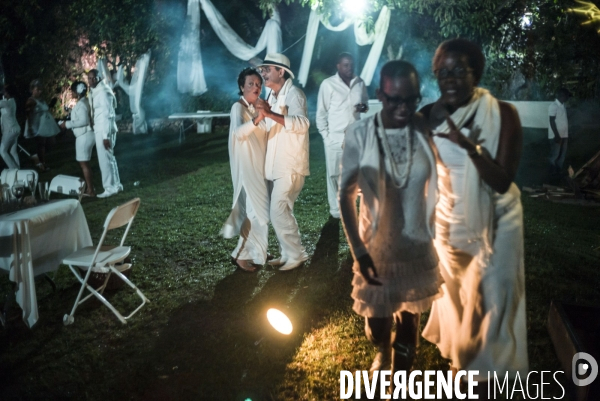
279 321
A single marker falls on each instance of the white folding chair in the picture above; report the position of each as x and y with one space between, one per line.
9 176
67 185
104 258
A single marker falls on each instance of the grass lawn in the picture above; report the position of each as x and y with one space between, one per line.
204 336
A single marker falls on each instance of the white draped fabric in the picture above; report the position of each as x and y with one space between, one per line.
34 241
134 90
102 67
190 72
363 38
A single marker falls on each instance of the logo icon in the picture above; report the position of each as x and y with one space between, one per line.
584 364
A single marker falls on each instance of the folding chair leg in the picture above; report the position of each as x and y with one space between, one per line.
69 319
133 286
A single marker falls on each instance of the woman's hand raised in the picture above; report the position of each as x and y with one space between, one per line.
458 137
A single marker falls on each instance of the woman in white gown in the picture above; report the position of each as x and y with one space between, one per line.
84 135
10 128
388 159
249 217
480 321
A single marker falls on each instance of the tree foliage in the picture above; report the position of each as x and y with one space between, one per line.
528 61
50 38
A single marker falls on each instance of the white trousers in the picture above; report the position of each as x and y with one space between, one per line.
333 161
284 192
108 163
254 236
8 149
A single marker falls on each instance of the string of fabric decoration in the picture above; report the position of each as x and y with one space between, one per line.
134 90
363 38
190 72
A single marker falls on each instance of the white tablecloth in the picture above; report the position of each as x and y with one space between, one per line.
35 241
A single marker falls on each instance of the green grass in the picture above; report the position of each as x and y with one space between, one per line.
204 336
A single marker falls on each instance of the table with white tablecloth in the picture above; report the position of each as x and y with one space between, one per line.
202 118
35 241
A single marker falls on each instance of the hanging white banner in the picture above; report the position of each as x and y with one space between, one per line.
363 38
190 72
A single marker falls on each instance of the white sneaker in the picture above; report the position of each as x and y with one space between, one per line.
276 262
290 265
106 194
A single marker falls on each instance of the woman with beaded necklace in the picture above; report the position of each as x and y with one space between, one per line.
388 158
249 217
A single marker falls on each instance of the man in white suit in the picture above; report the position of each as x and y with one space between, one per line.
286 162
102 105
342 97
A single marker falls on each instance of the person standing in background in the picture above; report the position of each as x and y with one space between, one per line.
558 130
40 124
102 105
10 128
342 97
84 136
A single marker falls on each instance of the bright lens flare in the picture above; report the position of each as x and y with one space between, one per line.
355 8
279 321
589 10
527 20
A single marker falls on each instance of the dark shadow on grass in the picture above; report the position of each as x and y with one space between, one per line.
207 350
225 349
326 252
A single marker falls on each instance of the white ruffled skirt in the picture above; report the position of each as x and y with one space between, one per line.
407 285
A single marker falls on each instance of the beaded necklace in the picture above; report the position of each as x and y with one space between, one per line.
399 178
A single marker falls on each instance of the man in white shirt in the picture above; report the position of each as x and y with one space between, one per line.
286 162
102 105
558 131
342 97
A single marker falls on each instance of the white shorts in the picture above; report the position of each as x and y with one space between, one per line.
84 145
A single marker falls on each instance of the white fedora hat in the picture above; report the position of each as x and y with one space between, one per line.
278 60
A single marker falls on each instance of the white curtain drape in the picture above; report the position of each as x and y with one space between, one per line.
134 90
102 67
190 73
363 38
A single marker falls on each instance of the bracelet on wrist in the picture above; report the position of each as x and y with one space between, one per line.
476 152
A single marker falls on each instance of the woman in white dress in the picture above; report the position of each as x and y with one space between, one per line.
249 217
84 135
10 128
40 124
480 321
388 158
